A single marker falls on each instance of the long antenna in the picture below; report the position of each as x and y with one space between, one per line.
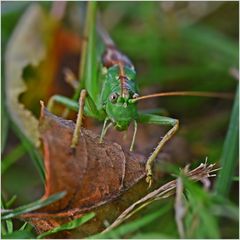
185 93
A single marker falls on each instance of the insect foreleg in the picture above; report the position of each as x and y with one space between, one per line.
104 129
160 120
134 135
85 105
74 106
76 133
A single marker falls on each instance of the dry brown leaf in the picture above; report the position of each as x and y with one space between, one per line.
97 177
93 174
63 52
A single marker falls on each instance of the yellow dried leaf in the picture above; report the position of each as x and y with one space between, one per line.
27 46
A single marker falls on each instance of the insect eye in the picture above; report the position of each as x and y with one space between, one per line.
135 95
113 97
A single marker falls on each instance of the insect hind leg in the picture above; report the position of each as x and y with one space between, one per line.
62 100
160 120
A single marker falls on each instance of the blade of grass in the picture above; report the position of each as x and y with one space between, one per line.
69 226
133 226
152 235
3 229
4 125
8 223
88 64
10 202
19 235
23 226
90 70
12 157
88 61
32 151
226 210
32 206
229 156
200 220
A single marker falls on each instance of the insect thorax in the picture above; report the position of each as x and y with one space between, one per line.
118 109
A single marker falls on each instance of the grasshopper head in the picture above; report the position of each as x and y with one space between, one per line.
121 111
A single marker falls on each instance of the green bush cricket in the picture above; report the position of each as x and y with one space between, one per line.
116 102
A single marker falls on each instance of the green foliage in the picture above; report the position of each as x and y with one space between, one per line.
4 125
169 54
224 208
90 68
153 235
229 156
69 226
200 221
133 226
32 151
24 234
12 157
32 206
7 225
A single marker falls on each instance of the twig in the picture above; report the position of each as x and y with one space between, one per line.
179 207
201 172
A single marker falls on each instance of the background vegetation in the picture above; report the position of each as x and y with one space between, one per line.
174 46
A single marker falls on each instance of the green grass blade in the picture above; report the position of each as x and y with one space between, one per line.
229 156
10 202
3 229
133 226
69 226
32 151
32 206
200 221
227 210
88 64
91 64
19 235
12 157
151 235
4 125
23 226
88 67
9 224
